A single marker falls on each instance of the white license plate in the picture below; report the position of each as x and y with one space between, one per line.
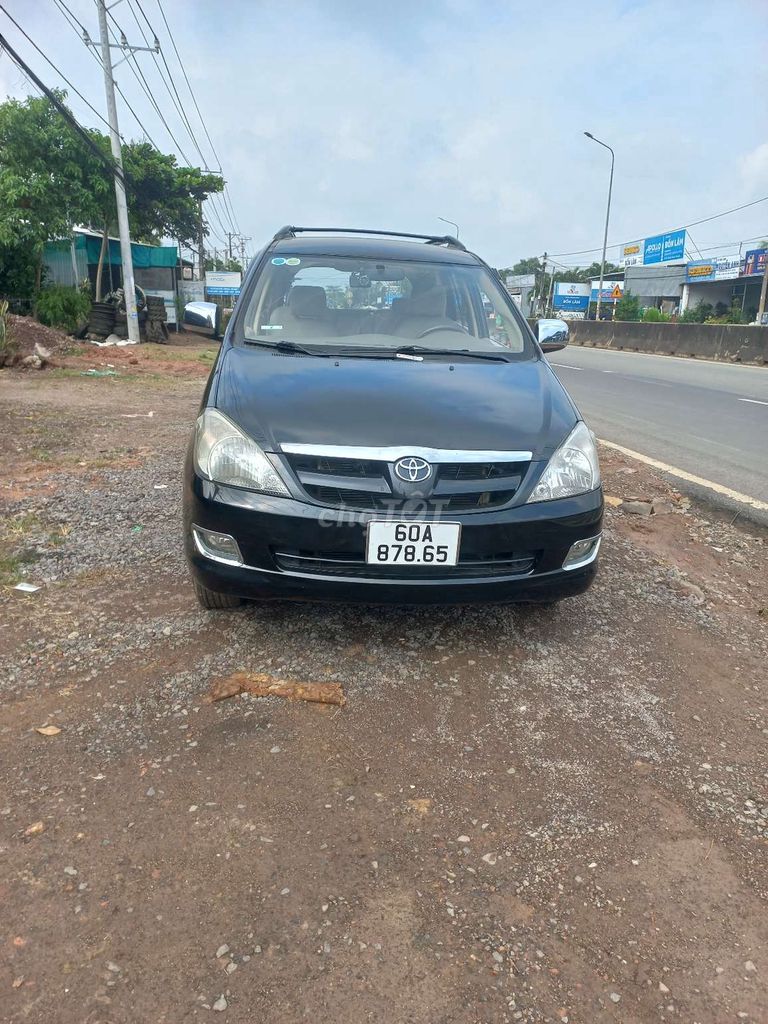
413 543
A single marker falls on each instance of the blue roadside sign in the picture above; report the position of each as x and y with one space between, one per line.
662 248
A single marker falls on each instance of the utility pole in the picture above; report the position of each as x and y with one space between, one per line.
541 302
129 286
763 293
201 239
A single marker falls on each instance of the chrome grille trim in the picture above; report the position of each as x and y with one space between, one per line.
393 453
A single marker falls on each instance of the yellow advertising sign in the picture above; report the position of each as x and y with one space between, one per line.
702 270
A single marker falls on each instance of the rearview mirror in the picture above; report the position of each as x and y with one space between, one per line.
553 335
202 318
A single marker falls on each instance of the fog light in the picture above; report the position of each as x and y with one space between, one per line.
221 547
582 553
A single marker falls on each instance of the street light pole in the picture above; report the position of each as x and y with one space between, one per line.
607 218
452 223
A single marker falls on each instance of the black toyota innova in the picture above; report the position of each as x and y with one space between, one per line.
381 425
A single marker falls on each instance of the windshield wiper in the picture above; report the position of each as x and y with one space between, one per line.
287 346
465 353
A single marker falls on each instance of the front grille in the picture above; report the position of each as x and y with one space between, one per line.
366 484
367 502
337 467
355 566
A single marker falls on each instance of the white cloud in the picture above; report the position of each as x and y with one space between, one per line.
393 114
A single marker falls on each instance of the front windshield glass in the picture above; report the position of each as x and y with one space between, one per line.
345 303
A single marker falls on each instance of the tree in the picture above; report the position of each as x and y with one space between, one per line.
50 181
47 181
212 263
628 307
162 197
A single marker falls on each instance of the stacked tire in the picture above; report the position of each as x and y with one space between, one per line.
156 308
156 319
102 318
121 324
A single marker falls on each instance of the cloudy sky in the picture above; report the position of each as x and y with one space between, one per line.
393 113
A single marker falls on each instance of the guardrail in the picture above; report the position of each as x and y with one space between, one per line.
734 343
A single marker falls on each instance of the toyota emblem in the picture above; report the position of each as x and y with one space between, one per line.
413 469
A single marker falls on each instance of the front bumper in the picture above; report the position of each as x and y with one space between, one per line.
298 551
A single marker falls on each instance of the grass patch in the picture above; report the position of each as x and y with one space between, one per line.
10 569
22 524
179 353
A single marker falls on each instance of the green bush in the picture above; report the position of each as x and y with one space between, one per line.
697 314
628 307
655 316
62 307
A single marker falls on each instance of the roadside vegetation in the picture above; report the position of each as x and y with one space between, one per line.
50 182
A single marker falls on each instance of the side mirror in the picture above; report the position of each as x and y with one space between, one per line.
202 318
553 335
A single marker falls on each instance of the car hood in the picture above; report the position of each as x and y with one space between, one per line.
278 398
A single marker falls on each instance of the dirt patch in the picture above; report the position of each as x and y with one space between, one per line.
519 814
25 333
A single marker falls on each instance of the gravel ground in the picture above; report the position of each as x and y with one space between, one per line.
520 814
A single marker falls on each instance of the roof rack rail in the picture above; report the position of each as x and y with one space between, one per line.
290 231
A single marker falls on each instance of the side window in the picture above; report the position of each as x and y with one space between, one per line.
499 326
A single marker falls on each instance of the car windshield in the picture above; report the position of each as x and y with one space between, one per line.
345 303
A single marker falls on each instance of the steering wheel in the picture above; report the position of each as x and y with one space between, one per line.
438 327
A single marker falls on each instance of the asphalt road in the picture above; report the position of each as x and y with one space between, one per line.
709 419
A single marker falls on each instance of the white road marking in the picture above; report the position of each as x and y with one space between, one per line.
754 401
743 499
567 366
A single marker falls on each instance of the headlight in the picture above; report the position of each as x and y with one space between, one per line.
573 469
224 454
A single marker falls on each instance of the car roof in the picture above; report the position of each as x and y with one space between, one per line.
372 246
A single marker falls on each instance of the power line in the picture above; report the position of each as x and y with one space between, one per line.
55 68
72 21
227 201
691 224
65 113
175 99
147 89
170 87
702 249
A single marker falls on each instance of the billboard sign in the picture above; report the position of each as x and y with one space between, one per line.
612 291
519 281
571 296
631 255
754 262
663 248
192 291
722 268
223 282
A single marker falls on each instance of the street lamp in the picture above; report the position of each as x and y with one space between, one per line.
453 225
607 216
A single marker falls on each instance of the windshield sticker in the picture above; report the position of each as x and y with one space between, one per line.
271 327
293 261
279 261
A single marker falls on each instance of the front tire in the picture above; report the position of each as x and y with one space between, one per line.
212 600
